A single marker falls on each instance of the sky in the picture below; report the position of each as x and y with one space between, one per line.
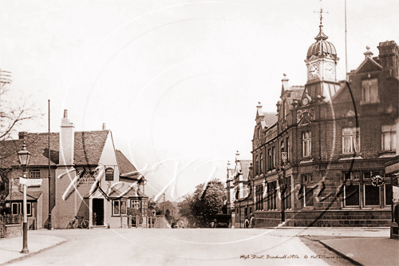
177 82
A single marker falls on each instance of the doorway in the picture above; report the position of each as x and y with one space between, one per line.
98 211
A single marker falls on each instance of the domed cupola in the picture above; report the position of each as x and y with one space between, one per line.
321 62
321 48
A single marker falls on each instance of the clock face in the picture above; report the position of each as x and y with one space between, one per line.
313 71
329 70
305 101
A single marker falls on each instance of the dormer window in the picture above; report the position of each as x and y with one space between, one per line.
370 91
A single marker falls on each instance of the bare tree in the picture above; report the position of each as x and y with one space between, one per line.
13 112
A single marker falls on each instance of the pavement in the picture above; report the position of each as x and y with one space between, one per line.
10 248
362 246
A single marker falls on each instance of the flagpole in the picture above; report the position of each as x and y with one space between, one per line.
49 169
346 48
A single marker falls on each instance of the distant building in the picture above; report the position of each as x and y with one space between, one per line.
239 191
89 178
322 163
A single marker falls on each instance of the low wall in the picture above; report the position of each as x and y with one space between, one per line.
329 218
13 230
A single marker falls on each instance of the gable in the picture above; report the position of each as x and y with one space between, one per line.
343 94
108 156
368 65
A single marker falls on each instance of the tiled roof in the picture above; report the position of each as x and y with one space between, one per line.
125 166
88 147
296 94
270 118
245 164
16 195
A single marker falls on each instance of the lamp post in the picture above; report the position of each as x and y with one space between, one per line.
23 157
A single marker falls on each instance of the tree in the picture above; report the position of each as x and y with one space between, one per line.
13 113
207 201
185 211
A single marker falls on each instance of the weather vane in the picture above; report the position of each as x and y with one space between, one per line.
321 12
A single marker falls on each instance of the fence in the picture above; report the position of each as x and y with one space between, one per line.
12 218
129 221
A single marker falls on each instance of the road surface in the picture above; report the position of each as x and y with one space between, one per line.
183 247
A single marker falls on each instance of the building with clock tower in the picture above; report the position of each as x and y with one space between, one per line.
322 163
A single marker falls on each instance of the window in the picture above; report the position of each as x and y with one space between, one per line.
307 178
388 194
350 140
351 195
135 204
287 144
116 207
109 174
356 175
259 197
261 163
306 143
284 109
370 91
388 138
34 174
123 207
16 208
29 208
274 158
256 165
269 166
144 207
286 196
272 196
371 195
282 152
308 196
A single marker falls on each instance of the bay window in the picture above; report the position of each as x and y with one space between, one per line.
119 207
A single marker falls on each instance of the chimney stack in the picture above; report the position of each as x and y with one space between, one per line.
104 127
67 137
22 135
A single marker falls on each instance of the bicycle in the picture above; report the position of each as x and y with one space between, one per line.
78 222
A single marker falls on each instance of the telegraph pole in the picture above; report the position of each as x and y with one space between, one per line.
164 204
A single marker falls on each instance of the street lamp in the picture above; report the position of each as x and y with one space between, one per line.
23 157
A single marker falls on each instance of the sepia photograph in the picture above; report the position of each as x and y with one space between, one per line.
199 132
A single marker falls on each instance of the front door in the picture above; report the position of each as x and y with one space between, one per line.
98 211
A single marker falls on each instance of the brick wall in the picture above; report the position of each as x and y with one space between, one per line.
335 218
